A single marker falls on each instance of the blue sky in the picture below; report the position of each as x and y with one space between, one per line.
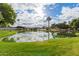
55 10
58 7
35 13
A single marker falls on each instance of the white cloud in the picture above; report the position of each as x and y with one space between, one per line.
67 14
38 14
35 18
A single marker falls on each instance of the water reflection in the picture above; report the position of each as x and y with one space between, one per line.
29 37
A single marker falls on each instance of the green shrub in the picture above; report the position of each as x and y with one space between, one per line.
66 34
11 40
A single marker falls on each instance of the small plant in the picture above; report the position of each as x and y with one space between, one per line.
11 40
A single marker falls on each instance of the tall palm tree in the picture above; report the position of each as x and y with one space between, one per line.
48 19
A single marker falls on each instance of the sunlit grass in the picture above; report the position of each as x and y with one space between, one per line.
4 33
67 46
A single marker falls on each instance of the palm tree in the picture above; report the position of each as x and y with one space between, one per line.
48 19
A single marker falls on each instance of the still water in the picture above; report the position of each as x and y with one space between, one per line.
29 36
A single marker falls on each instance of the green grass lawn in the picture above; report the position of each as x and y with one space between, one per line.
4 33
56 47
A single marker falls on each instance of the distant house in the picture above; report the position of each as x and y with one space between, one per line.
56 29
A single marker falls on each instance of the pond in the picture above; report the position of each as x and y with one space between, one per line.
29 36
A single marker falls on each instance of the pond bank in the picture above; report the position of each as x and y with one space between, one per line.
4 33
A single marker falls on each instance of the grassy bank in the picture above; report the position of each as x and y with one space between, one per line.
4 33
61 46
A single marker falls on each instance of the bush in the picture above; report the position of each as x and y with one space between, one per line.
11 40
66 34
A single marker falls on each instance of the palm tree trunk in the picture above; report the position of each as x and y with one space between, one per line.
48 29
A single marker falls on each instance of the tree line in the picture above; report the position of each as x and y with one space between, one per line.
74 24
